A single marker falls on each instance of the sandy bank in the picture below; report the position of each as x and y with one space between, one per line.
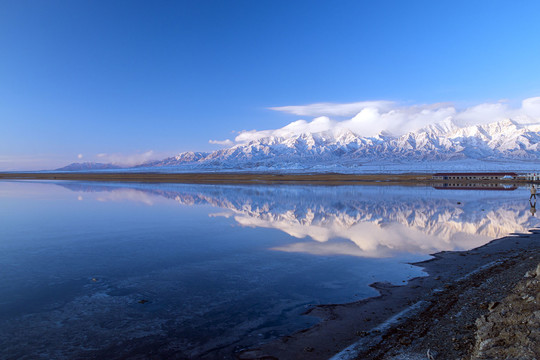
438 313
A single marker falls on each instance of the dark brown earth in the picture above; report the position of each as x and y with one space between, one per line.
225 178
432 317
251 178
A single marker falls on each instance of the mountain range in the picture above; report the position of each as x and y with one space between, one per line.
506 141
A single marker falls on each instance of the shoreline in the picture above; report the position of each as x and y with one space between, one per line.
408 179
436 313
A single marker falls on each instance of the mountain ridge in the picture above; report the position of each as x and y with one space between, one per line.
505 140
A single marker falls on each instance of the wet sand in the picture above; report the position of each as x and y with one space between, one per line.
436 313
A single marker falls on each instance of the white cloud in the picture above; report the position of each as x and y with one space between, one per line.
531 107
227 142
319 124
371 121
333 109
483 114
372 117
127 159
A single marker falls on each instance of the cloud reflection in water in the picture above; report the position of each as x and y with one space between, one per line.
365 221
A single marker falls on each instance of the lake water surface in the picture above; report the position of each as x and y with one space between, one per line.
111 270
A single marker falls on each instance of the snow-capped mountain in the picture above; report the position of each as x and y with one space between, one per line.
505 141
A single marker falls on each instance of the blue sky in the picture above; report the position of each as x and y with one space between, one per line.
124 78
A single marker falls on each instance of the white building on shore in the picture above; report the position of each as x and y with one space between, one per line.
530 176
475 176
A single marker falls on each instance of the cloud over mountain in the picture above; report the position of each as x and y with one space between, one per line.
370 118
334 109
128 159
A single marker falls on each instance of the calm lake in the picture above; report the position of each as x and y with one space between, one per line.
112 270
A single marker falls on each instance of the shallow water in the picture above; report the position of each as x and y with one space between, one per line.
114 270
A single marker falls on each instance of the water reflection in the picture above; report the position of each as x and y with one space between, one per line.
375 221
200 255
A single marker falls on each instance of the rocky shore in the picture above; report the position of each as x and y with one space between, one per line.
512 328
478 304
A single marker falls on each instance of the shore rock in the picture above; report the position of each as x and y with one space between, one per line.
512 329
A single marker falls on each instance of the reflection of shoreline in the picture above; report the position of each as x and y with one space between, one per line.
358 221
476 186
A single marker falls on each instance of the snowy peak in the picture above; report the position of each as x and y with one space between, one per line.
178 160
440 129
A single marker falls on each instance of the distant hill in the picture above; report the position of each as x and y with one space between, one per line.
88 166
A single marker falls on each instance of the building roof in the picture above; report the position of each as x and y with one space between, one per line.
477 174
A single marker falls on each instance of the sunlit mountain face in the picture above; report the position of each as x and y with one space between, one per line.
365 221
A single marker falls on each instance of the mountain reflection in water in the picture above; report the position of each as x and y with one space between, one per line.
375 221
